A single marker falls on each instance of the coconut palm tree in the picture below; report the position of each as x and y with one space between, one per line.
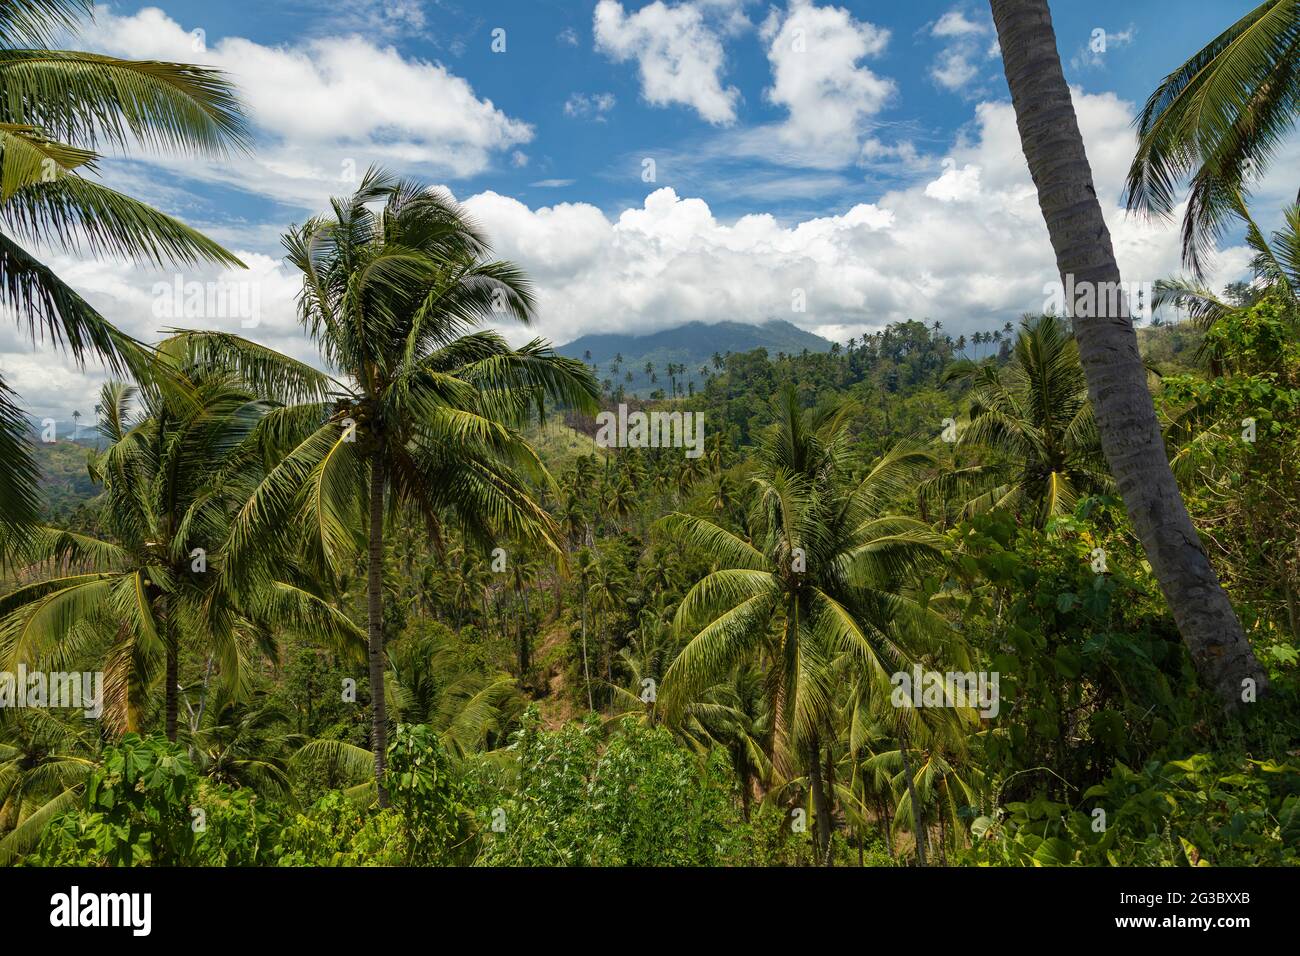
822 580
585 566
1034 414
173 476
606 593
521 577
425 414
1113 367
44 762
56 109
1219 119
1276 265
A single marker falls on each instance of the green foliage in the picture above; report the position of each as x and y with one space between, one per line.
427 795
136 810
338 831
1206 810
1090 669
643 800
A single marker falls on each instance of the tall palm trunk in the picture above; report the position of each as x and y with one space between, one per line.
173 671
1117 379
821 805
375 622
586 672
918 816
525 656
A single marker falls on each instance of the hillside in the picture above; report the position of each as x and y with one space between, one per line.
65 482
692 346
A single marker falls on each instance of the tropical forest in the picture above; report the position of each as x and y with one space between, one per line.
430 578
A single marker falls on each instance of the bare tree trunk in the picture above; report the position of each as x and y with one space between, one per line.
1117 379
203 694
586 673
525 657
173 674
821 806
918 816
375 623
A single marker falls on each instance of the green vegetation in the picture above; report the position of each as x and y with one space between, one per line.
906 608
701 674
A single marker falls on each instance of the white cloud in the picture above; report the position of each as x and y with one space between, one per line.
1091 54
679 56
320 103
955 24
957 67
263 296
568 35
589 106
816 75
953 70
965 245
955 185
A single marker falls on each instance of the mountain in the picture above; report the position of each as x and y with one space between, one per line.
692 345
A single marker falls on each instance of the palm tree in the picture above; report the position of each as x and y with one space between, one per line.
822 581
428 682
1276 265
426 420
57 107
1218 118
1035 414
522 575
585 563
44 761
173 476
1113 367
606 594
619 501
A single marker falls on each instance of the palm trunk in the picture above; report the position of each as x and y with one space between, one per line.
586 673
918 817
375 623
173 673
1117 379
821 806
524 650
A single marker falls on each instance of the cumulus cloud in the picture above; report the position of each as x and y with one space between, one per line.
678 54
326 106
958 67
964 244
589 106
954 23
1091 54
953 70
817 76
257 302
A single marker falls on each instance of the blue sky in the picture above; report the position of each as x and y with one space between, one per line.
860 157
594 155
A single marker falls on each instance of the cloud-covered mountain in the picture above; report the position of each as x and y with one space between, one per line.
692 345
